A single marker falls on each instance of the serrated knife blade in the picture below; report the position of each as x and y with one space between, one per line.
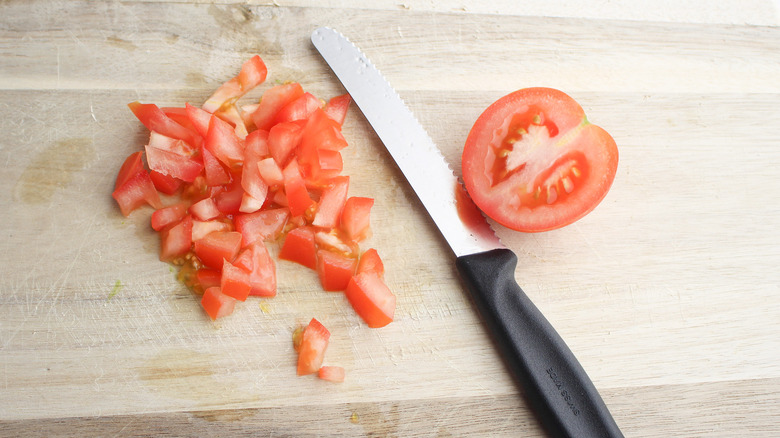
561 393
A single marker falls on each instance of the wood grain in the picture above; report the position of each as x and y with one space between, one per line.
667 293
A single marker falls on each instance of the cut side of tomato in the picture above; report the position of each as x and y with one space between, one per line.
256 260
311 352
261 225
163 217
283 138
274 99
334 270
207 278
337 107
332 373
223 143
298 198
234 282
533 162
176 241
205 209
218 246
371 299
299 109
216 304
299 247
165 183
356 218
371 262
135 191
332 203
156 121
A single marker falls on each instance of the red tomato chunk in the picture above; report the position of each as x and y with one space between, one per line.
238 178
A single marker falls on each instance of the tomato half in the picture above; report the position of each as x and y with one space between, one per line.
533 162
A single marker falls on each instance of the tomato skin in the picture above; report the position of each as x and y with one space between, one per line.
532 162
216 304
311 352
371 299
334 270
132 165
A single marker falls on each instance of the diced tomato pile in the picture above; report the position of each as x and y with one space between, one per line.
235 178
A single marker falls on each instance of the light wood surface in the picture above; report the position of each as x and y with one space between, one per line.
668 292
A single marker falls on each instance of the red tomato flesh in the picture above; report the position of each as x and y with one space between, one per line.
371 262
299 247
234 282
246 174
532 161
371 299
218 246
311 352
355 218
334 270
331 373
216 304
163 217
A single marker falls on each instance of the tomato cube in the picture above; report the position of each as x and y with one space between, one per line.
218 246
298 197
371 299
205 209
370 262
135 191
332 203
272 101
176 241
163 217
283 138
337 107
299 247
311 353
261 225
216 304
234 282
355 218
334 270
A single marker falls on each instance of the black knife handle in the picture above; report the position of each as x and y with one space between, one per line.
561 393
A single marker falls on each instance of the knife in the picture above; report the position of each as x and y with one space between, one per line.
557 387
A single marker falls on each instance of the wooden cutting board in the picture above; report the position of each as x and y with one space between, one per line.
667 293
